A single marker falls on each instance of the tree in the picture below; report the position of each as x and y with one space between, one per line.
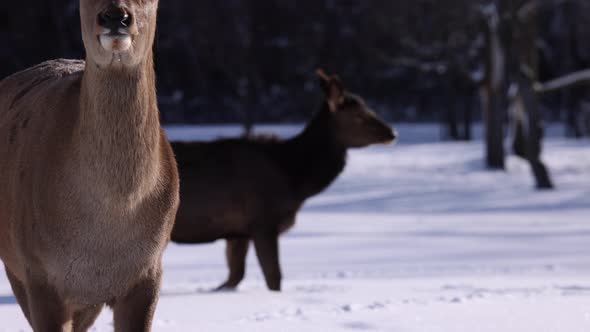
494 85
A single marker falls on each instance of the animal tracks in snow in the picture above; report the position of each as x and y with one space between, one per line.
310 311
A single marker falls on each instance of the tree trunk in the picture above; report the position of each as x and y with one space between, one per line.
531 134
452 128
251 102
493 95
494 129
468 105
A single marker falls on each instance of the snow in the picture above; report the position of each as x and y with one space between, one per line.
417 236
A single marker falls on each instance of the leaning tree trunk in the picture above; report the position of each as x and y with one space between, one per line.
526 114
529 132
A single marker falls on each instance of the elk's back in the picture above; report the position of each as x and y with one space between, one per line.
229 188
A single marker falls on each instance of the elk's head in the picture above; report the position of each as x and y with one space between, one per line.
354 123
118 33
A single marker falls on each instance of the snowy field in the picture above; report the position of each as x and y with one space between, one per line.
412 237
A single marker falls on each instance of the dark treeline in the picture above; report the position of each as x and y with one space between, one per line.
253 60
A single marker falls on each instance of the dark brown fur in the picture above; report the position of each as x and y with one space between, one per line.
251 188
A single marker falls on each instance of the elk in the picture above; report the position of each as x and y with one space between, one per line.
252 188
88 180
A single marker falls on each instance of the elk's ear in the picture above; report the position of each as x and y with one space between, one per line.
333 88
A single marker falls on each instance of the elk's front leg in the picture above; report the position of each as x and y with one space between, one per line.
236 251
267 250
83 319
135 311
20 293
48 311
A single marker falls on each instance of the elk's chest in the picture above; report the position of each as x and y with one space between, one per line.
105 254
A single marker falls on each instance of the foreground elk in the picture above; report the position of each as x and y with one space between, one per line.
251 189
88 181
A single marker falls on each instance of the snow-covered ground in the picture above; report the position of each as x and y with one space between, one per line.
412 237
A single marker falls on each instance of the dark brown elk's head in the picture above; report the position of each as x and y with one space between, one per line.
354 124
118 33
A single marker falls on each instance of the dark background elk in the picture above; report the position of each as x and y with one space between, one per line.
251 189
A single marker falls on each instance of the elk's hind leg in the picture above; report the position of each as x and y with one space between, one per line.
267 250
236 251
20 293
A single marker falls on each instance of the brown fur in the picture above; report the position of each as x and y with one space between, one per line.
251 188
88 182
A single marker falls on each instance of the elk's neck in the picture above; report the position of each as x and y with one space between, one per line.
119 130
317 157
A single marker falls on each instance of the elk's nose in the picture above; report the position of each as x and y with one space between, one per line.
387 135
114 18
393 135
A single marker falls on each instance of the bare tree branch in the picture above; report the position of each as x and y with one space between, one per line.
563 82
